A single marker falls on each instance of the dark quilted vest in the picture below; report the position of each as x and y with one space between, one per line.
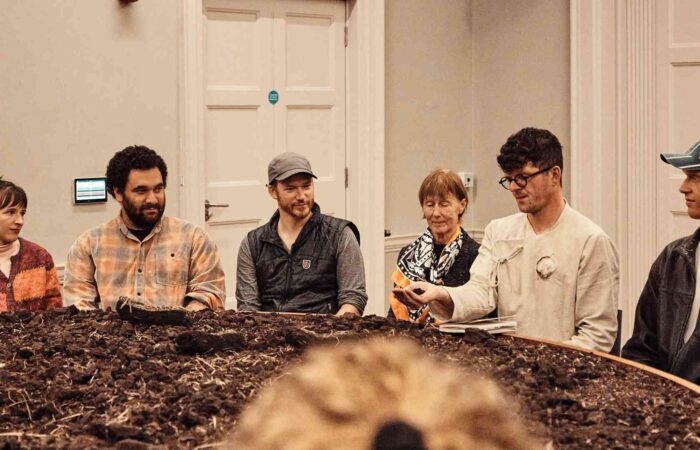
303 280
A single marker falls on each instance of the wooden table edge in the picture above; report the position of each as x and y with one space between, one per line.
682 381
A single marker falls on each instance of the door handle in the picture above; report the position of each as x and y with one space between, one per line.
208 204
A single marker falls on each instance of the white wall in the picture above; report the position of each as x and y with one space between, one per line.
80 80
521 78
461 76
428 101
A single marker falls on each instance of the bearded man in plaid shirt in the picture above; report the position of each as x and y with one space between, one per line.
156 260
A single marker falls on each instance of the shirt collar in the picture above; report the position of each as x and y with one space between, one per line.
125 230
688 246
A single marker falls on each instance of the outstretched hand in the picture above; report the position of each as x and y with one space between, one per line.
419 293
414 295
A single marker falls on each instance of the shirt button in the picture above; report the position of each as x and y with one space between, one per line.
9 285
140 270
138 293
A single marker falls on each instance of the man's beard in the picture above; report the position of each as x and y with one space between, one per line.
138 216
297 212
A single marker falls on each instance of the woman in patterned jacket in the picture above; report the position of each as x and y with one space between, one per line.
28 279
444 253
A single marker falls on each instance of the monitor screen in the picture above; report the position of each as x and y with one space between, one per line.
90 190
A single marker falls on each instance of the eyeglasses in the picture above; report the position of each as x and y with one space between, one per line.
520 179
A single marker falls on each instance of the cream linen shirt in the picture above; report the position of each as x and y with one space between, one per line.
560 285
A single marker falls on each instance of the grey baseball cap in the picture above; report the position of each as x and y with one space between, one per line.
689 160
287 164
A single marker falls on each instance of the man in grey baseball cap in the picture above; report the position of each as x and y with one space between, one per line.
301 260
287 164
666 334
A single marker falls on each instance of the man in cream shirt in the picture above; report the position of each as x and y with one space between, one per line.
551 268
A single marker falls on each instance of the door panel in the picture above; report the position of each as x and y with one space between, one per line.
236 42
304 36
685 17
678 78
310 75
251 48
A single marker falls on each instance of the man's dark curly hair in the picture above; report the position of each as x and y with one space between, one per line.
137 157
540 147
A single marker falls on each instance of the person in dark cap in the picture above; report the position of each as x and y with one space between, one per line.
666 333
301 260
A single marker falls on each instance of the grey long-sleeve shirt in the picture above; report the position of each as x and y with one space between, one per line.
350 272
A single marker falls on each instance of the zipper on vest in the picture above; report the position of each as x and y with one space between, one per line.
289 275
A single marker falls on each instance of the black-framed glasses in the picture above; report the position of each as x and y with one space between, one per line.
520 179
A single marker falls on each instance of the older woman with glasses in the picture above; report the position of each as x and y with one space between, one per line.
444 253
28 278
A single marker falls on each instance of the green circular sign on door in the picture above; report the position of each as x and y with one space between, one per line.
273 97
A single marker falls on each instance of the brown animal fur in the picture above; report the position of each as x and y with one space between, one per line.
340 396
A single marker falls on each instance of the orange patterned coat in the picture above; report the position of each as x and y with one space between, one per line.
33 282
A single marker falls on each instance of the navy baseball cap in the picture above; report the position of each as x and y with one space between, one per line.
688 161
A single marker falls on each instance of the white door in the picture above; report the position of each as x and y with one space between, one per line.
678 95
253 47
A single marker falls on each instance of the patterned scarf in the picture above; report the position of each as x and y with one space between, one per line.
419 260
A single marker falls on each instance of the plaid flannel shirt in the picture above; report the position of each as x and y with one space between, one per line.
177 260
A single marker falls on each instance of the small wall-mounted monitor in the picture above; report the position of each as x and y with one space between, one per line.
89 190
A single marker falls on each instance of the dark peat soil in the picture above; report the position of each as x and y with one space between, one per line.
91 380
